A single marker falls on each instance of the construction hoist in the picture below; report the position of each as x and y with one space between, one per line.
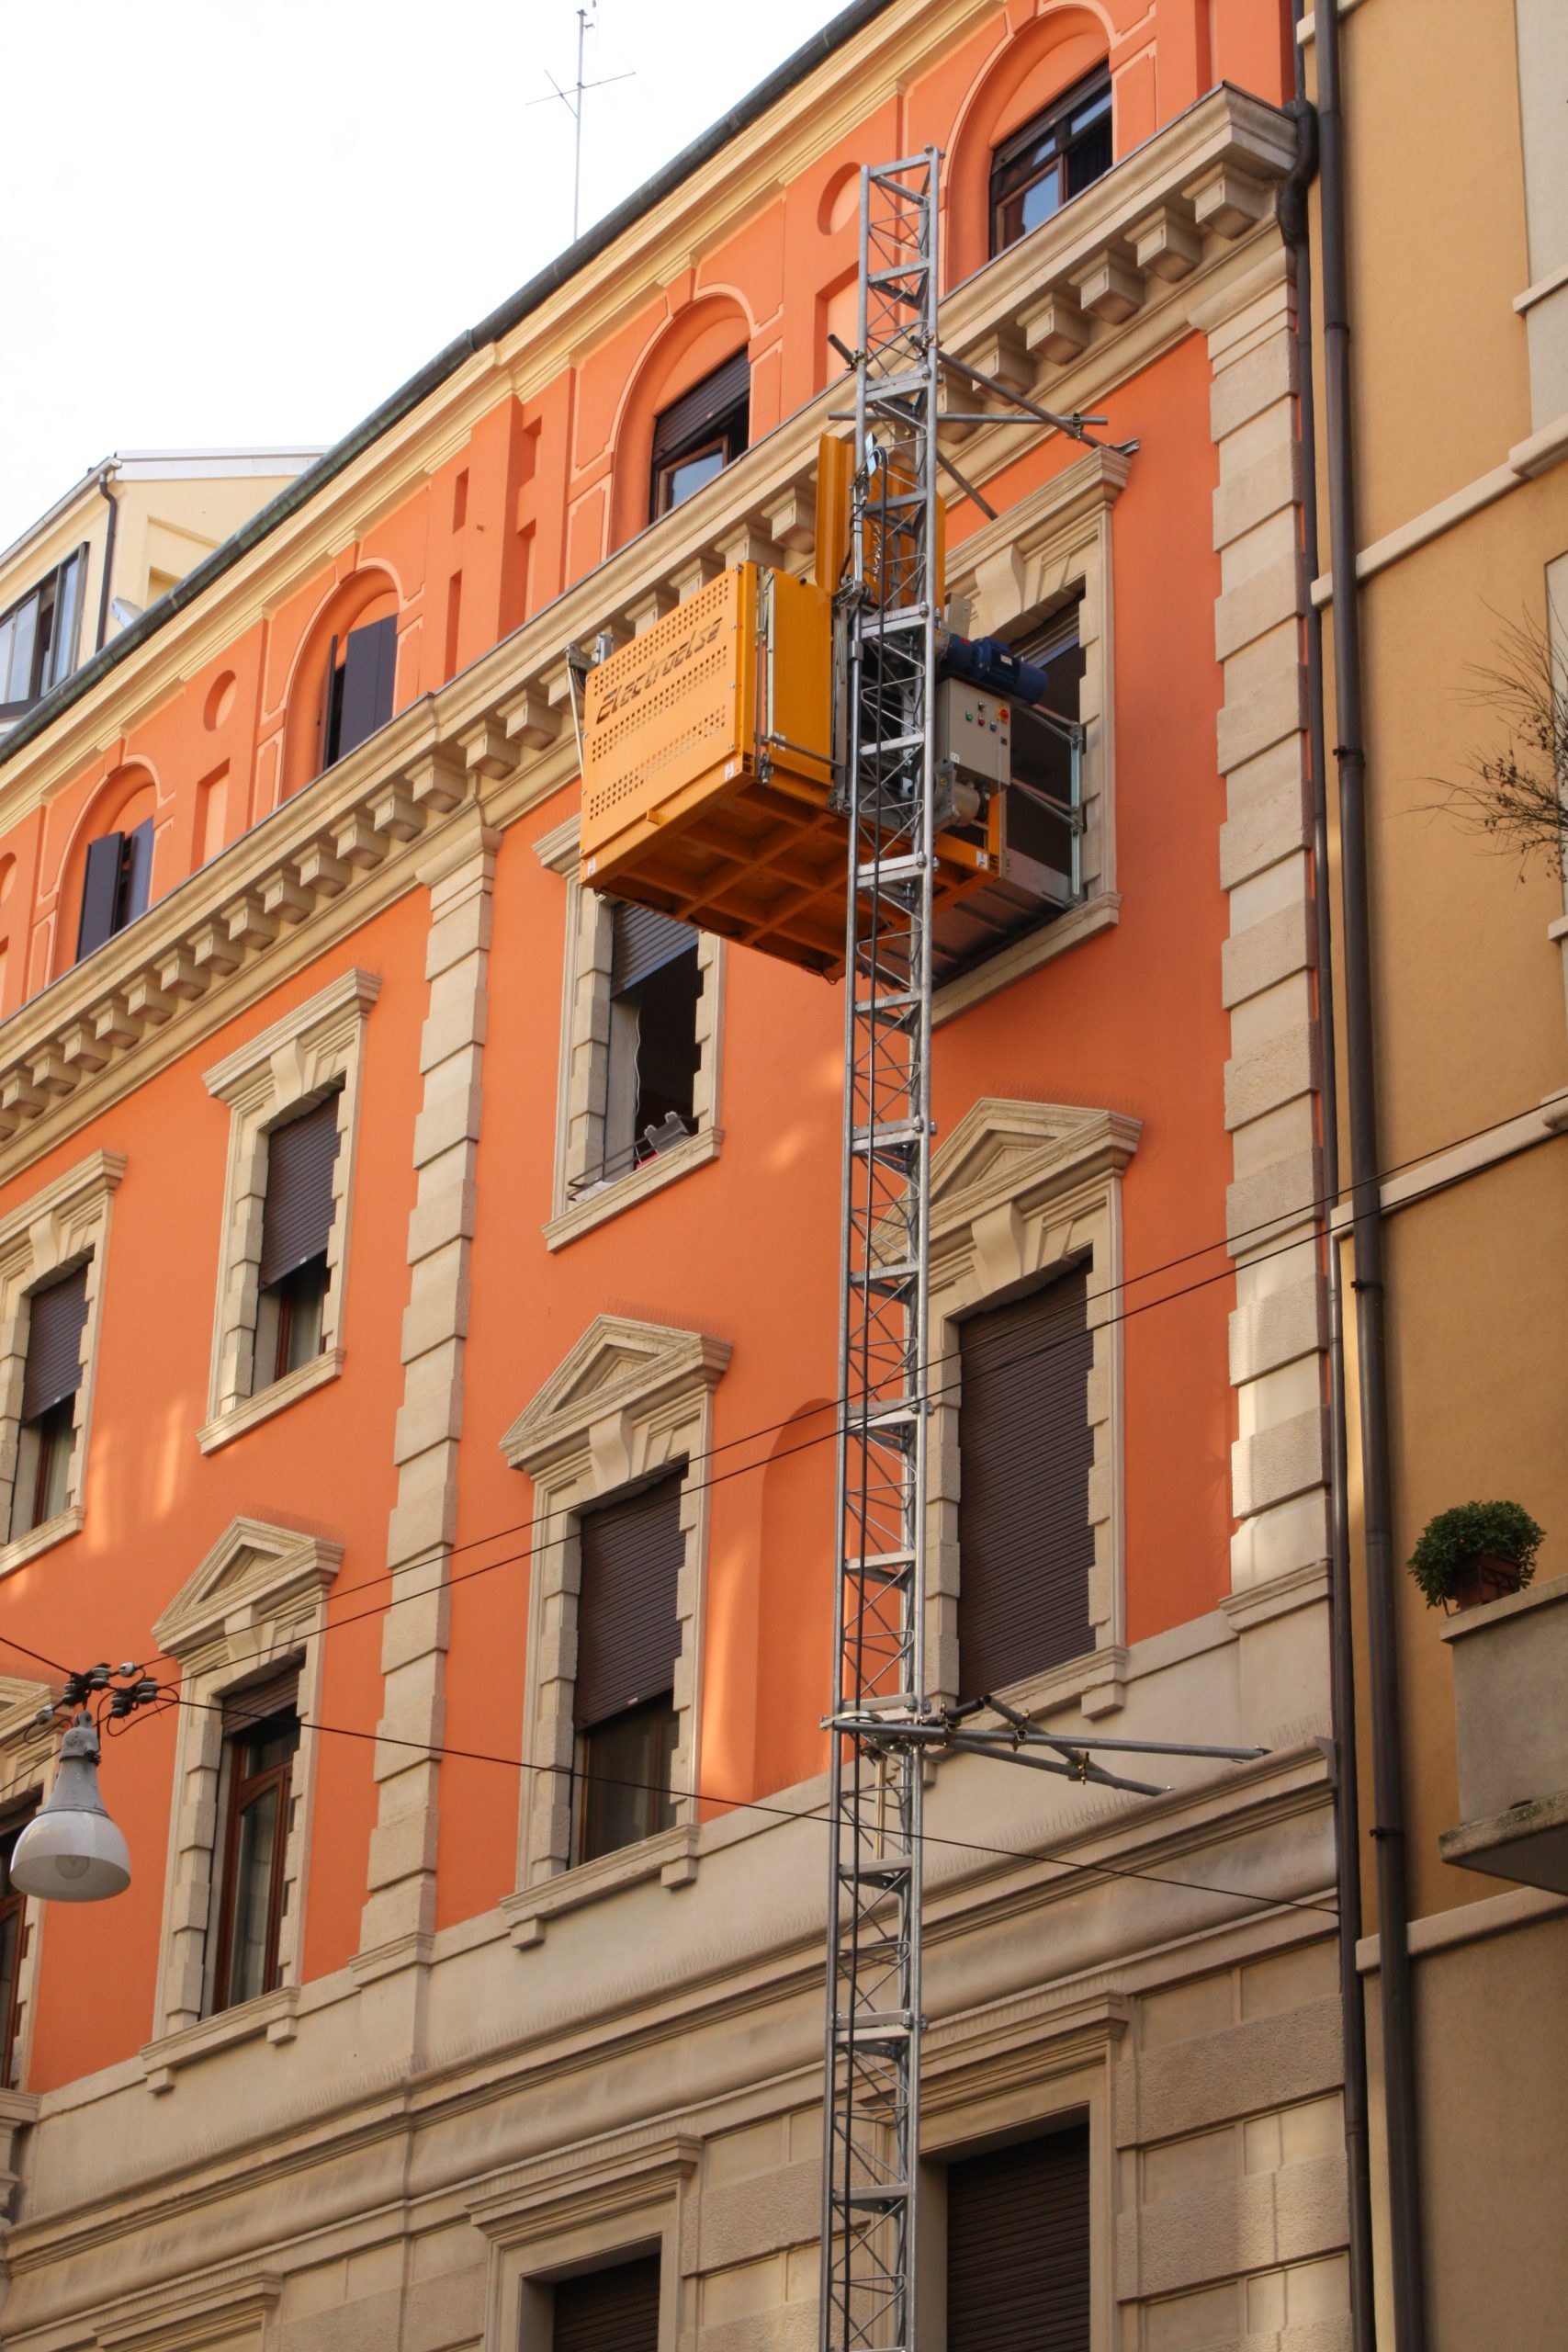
895 793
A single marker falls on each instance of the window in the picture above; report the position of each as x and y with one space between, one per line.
608 2311
1018 2247
115 889
360 671
296 1223
1051 159
38 638
1026 1446
629 1637
261 1728
650 1080
697 436
13 1951
47 1439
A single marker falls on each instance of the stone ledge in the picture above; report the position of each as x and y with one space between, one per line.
277 1398
23 1548
671 1857
1529 1843
251 2022
597 1207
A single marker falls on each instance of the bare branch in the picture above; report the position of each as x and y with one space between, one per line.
1517 794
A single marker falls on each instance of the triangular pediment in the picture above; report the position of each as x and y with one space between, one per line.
616 1366
1003 1148
256 1570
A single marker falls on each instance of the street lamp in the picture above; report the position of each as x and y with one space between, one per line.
71 1851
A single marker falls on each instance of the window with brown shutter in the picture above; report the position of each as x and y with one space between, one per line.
13 1932
47 1442
1018 2247
297 1223
1025 1546
653 1052
261 1728
629 1637
609 2311
697 436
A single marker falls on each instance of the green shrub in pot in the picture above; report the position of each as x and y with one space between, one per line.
1475 1552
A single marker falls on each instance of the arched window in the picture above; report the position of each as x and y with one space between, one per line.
344 683
1055 156
697 436
117 871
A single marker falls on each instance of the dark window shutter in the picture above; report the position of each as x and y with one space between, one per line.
299 1214
628 1631
136 868
369 660
1018 2247
278 1695
100 893
56 1320
1025 1546
609 2311
689 418
644 941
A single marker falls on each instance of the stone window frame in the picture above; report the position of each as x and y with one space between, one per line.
29 1759
64 1226
585 1058
1019 1191
1064 2071
287 1068
256 1602
546 2220
628 1400
1008 578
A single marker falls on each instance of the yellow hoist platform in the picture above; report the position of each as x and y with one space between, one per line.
708 772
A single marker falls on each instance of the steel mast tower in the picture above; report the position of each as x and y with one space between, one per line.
872 2127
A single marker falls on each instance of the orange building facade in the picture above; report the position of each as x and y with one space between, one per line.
390 2041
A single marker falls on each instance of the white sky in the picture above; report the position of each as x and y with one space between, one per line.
235 222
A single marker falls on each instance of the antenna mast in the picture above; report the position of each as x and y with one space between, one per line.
572 101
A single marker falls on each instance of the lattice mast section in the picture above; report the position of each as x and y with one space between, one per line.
889 618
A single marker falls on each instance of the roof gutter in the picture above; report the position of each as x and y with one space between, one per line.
833 36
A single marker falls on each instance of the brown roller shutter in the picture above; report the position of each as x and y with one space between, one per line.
688 419
609 2311
1018 2247
100 893
278 1695
299 1214
1025 1546
56 1320
644 942
628 1631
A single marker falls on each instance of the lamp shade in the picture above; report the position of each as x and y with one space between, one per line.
71 1851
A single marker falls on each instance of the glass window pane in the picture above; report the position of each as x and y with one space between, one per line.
625 1779
303 1297
253 1897
24 624
67 617
688 474
10 1942
57 1433
1041 200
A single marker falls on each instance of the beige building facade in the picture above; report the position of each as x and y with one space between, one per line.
1457 313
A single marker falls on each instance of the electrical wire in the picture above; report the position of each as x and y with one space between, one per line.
520 1764
540 1520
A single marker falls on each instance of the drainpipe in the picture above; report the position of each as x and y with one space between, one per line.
1294 226
1388 1829
105 492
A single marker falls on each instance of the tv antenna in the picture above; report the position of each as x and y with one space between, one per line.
587 21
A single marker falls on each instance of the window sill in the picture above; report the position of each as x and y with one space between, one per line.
597 1207
273 2014
1096 1683
23 1548
1026 955
670 1857
276 1399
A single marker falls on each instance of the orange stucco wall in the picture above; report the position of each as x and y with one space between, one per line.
745 1249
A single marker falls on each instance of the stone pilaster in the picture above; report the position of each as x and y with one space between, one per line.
1278 1470
459 874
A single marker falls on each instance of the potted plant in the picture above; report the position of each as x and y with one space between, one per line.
1475 1553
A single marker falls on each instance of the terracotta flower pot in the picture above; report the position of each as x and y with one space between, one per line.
1485 1576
